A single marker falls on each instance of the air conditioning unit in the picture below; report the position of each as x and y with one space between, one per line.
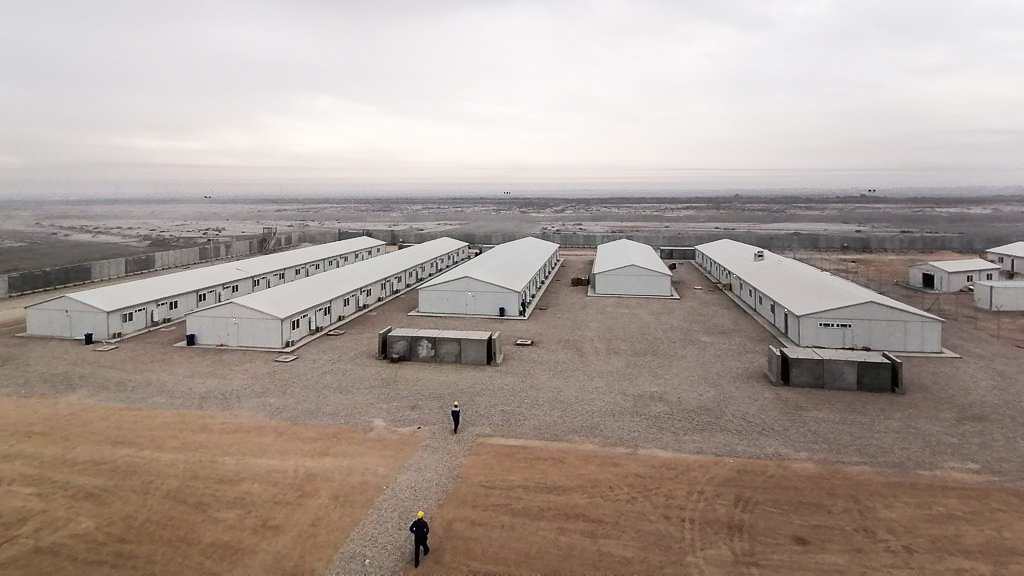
758 255
289 343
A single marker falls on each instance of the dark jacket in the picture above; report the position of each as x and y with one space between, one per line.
420 529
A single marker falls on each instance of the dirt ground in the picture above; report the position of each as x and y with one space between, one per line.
97 489
531 508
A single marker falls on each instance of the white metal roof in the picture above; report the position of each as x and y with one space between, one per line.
624 252
1002 283
128 294
965 265
510 265
286 300
801 288
1011 249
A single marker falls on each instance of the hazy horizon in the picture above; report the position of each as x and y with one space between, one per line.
460 97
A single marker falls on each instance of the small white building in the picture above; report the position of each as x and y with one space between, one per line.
127 308
999 295
952 275
284 315
628 268
1010 257
499 282
815 308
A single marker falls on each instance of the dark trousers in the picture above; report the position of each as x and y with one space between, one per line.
416 552
456 418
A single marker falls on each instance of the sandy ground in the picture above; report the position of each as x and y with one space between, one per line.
682 376
536 508
97 489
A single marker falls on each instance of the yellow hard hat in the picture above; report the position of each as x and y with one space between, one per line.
419 514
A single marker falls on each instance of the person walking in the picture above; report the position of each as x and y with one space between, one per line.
419 529
456 417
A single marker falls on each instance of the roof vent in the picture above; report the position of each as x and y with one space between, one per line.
758 255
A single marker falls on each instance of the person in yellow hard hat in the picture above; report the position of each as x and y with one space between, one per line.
419 529
456 417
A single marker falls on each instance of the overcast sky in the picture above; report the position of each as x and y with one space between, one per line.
930 90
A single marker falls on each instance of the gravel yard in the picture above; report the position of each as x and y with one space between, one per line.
679 375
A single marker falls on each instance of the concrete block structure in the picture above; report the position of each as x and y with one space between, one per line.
503 281
952 275
999 295
473 347
814 308
127 308
1010 258
285 315
627 268
835 369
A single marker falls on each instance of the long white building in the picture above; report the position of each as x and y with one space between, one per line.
1009 256
627 268
283 316
502 281
952 275
130 307
815 308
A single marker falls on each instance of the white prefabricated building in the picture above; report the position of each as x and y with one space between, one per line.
627 268
999 295
952 275
126 308
815 308
284 315
1010 257
499 282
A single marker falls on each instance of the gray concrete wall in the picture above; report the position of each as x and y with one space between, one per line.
49 278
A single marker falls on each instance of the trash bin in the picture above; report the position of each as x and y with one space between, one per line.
501 311
87 337
190 339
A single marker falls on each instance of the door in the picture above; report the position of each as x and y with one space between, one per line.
928 280
233 332
785 320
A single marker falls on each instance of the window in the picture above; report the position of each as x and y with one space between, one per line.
834 325
970 278
233 288
280 276
127 317
327 311
346 302
988 276
750 292
202 297
344 259
298 271
255 283
999 259
316 266
760 300
295 324
172 305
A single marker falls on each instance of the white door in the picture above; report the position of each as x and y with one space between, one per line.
233 332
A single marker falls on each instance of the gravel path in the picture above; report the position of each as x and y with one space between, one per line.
381 544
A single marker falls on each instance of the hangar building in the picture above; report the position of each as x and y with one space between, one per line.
284 315
127 308
1009 256
627 268
502 281
952 275
815 308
